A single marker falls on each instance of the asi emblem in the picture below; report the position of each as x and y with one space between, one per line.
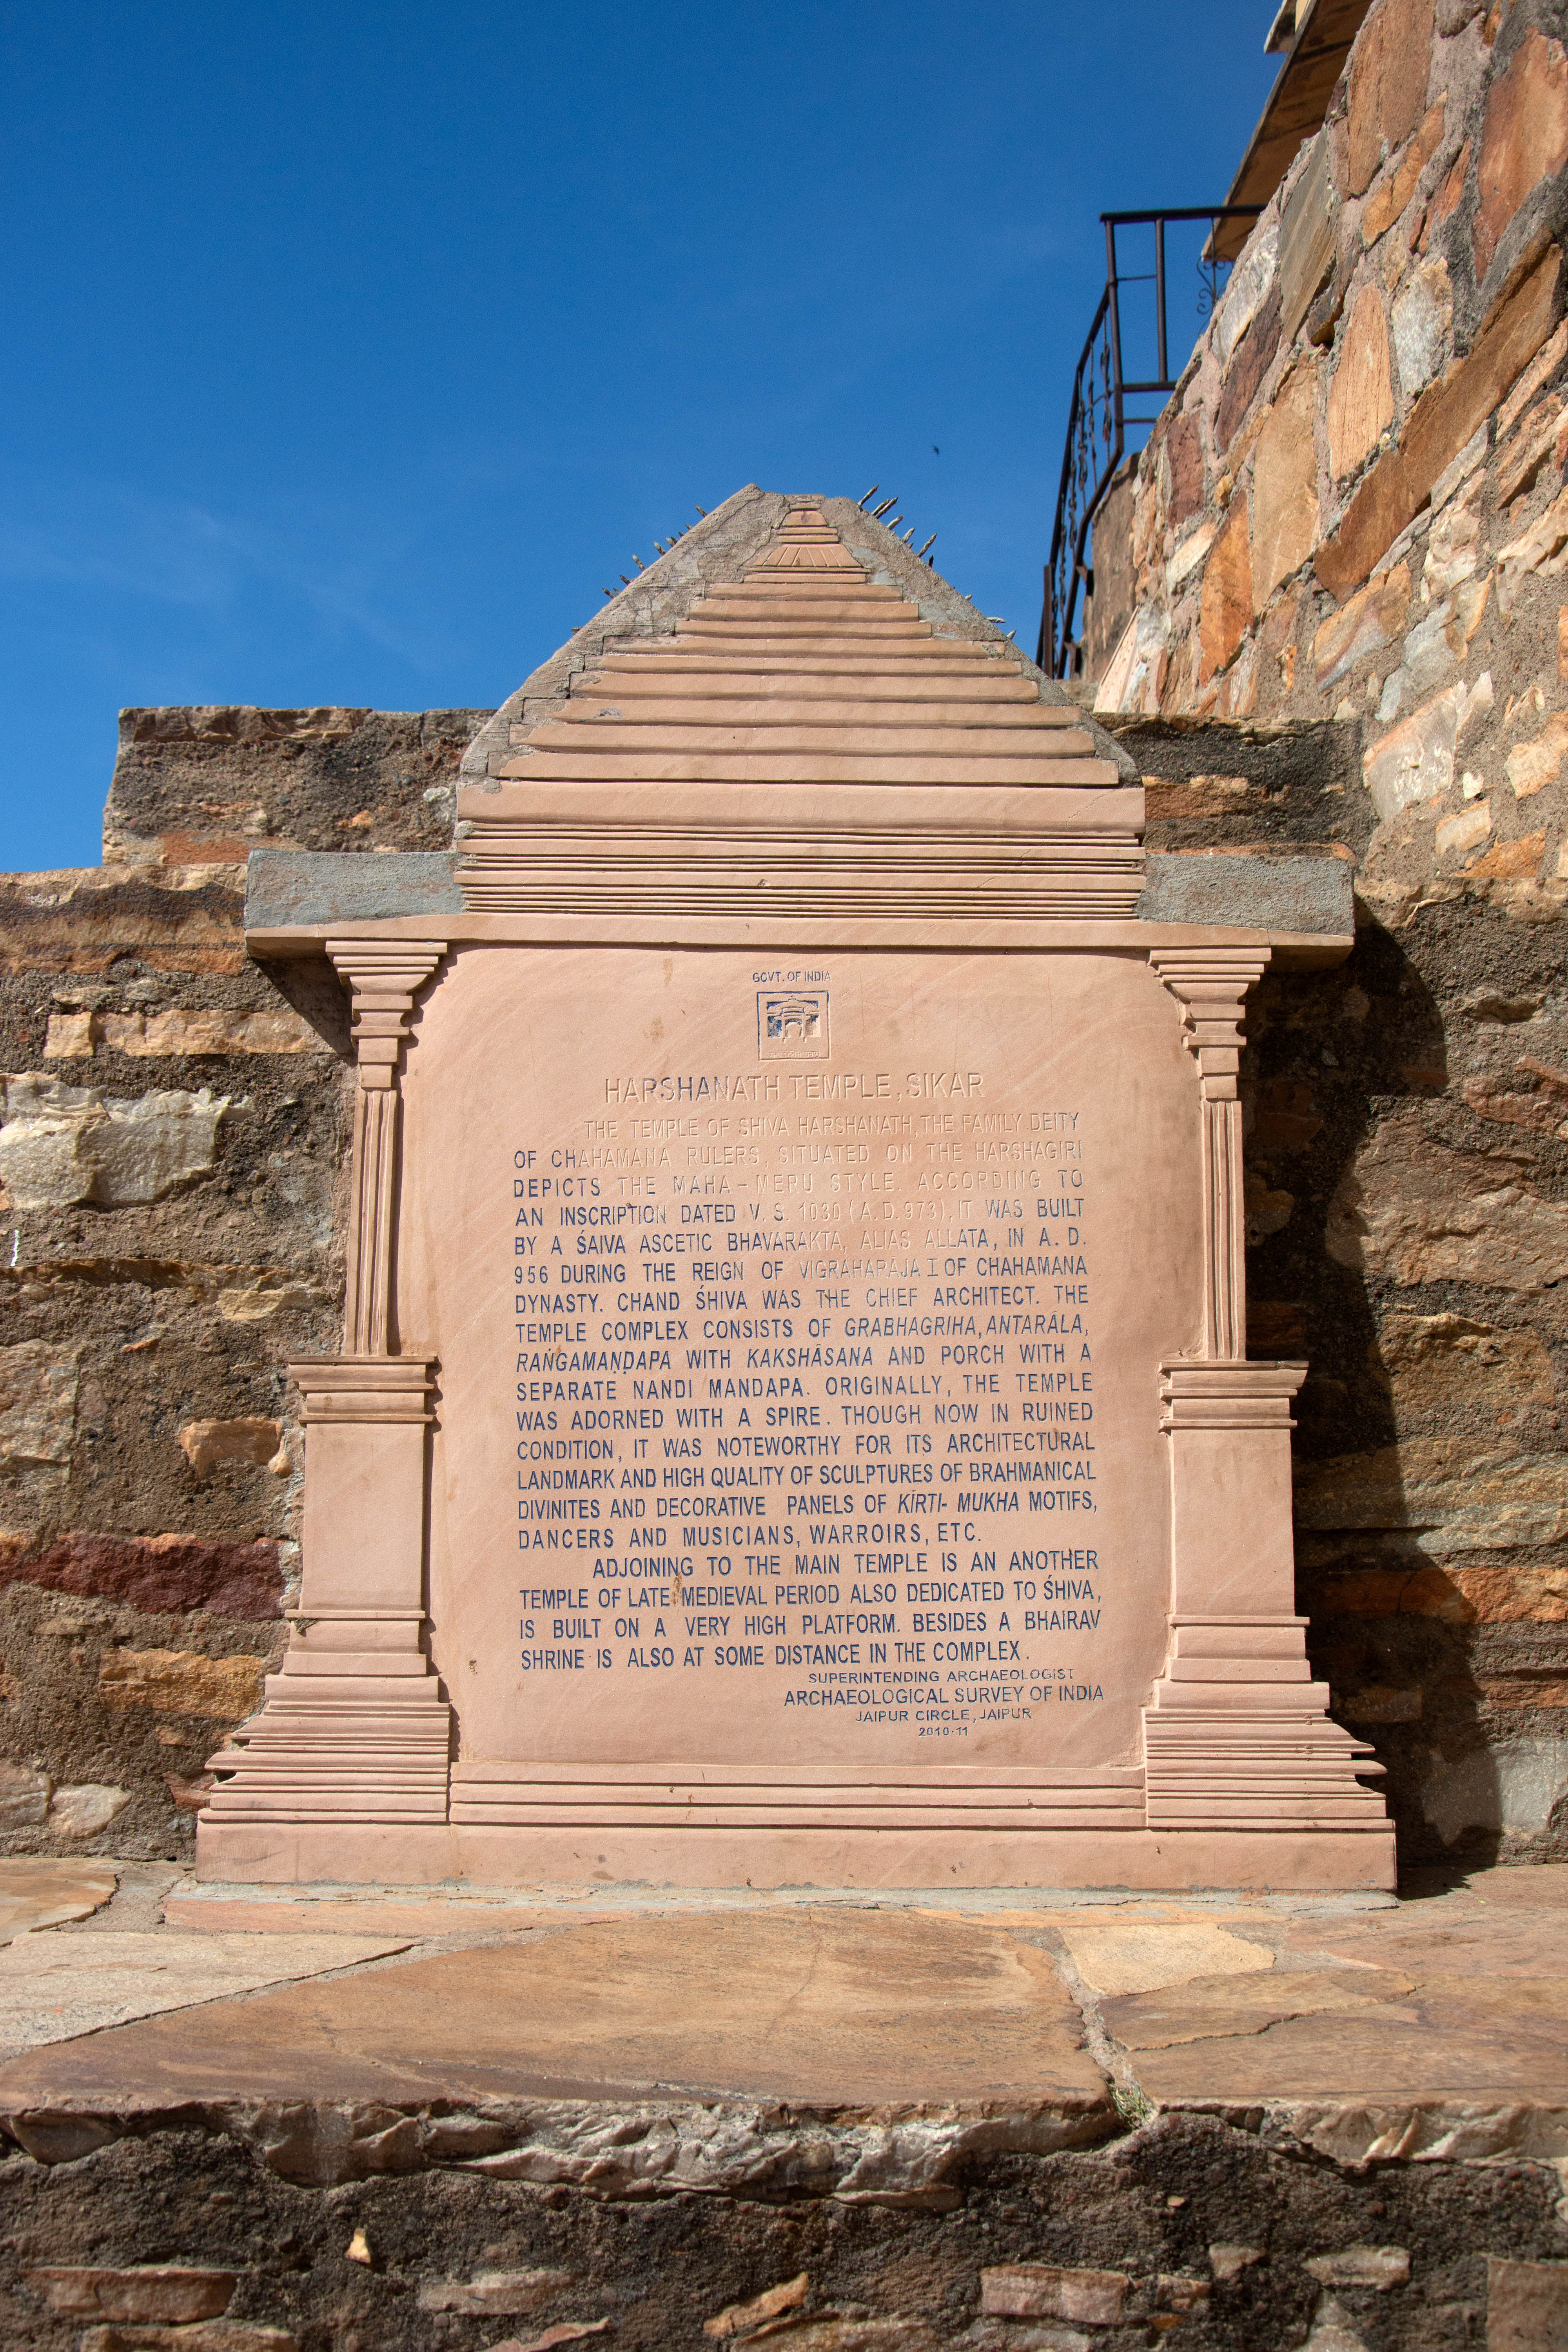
792 1024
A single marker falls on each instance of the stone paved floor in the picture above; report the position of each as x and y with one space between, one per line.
858 2053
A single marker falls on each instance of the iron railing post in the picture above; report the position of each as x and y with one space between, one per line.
1098 422
1160 300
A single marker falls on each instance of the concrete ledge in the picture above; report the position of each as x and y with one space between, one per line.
293 889
330 886
1272 894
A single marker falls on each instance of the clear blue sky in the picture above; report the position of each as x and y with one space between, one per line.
352 350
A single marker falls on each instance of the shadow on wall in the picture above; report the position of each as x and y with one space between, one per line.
1404 1236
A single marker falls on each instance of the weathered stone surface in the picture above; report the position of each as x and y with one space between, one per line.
158 1574
1389 198
184 918
202 2335
61 1145
215 782
1542 546
284 886
1521 461
1252 362
1454 1496
1525 140
1415 760
1185 456
38 1892
1389 68
162 2291
1284 487
1445 416
1453 545
1422 316
1279 893
1249 283
1441 1366
1227 612
1376 2266
24 1796
737 2317
1527 2305
506 2293
1530 767
1360 390
206 1444
188 1031
86 1809
1369 622
1042 2291
1409 1208
182 1682
1307 229
39 1387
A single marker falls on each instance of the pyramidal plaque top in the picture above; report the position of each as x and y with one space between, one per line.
794 1421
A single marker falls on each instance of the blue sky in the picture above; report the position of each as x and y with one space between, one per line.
352 350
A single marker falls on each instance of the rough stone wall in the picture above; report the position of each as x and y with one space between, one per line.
172 1126
1349 535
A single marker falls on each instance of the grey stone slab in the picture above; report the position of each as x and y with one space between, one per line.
1272 894
303 885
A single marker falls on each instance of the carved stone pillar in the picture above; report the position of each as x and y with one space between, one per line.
1237 1735
353 1727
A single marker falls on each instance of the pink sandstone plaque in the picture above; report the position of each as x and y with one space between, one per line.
794 1421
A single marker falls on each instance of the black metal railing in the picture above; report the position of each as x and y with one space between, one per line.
1097 421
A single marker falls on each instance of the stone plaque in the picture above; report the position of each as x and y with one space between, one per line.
795 1421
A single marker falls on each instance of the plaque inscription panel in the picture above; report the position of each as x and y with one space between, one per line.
798 1319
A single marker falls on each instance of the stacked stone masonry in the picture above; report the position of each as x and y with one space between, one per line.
1347 542
172 1147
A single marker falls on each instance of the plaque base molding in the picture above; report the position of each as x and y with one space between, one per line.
433 1854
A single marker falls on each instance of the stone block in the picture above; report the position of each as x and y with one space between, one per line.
1376 2266
1422 316
206 1444
1277 894
1409 1208
182 1682
1443 419
38 1384
740 2318
24 1796
205 2335
1415 760
1285 485
1253 359
1227 604
183 1031
62 1145
506 2293
1389 198
1435 1367
1527 2305
285 886
85 1809
1042 2291
1369 622
156 2291
162 1574
68 1036
79 920
1184 456
1530 767
1308 224
1228 2261
1542 546
1361 390
1525 140
1389 69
